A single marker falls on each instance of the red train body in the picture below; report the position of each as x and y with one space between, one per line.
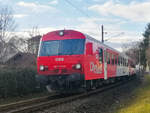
69 59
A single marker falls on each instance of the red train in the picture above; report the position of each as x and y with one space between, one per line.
69 60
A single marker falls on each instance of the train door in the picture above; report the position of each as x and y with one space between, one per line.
105 64
101 62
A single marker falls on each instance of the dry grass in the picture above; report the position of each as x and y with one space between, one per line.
141 103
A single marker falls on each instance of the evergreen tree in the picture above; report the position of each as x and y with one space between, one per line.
145 45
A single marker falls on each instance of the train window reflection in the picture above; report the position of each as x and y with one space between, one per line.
101 55
62 47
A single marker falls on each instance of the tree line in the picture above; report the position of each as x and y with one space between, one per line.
14 81
145 46
9 40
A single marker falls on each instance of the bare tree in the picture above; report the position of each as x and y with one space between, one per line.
19 43
34 32
7 25
132 50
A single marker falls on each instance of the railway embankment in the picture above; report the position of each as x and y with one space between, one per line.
129 97
111 101
140 103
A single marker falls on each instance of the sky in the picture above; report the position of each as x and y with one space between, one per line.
124 21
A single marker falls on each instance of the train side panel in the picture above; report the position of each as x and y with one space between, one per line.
93 67
111 64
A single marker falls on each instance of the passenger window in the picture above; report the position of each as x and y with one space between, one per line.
112 60
118 60
121 61
125 62
101 55
115 59
108 58
105 56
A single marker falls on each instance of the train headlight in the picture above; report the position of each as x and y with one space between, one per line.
61 33
78 66
41 68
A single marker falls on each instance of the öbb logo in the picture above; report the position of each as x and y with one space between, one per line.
59 59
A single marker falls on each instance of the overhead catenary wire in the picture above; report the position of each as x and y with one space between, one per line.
80 11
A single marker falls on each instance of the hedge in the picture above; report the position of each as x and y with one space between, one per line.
18 82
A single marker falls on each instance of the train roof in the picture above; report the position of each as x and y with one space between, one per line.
120 53
63 34
93 39
73 34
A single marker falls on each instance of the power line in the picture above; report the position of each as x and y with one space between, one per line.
79 10
82 12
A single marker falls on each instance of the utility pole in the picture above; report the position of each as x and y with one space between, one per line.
102 28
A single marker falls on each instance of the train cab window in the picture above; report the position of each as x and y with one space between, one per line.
100 55
108 58
112 60
62 47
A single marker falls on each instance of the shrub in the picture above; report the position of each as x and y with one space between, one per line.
18 82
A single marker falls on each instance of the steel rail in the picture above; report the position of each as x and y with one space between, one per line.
8 107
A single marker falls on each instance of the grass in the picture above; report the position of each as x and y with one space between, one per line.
141 102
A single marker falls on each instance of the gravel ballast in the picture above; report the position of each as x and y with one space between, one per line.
105 102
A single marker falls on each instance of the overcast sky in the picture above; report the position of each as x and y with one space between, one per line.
123 20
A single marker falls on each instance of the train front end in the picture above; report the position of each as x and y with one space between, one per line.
60 60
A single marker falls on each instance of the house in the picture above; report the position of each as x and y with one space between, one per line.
22 60
7 53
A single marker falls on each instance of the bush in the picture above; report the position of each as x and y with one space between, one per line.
18 82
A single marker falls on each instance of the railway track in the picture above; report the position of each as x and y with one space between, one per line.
33 105
7 107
